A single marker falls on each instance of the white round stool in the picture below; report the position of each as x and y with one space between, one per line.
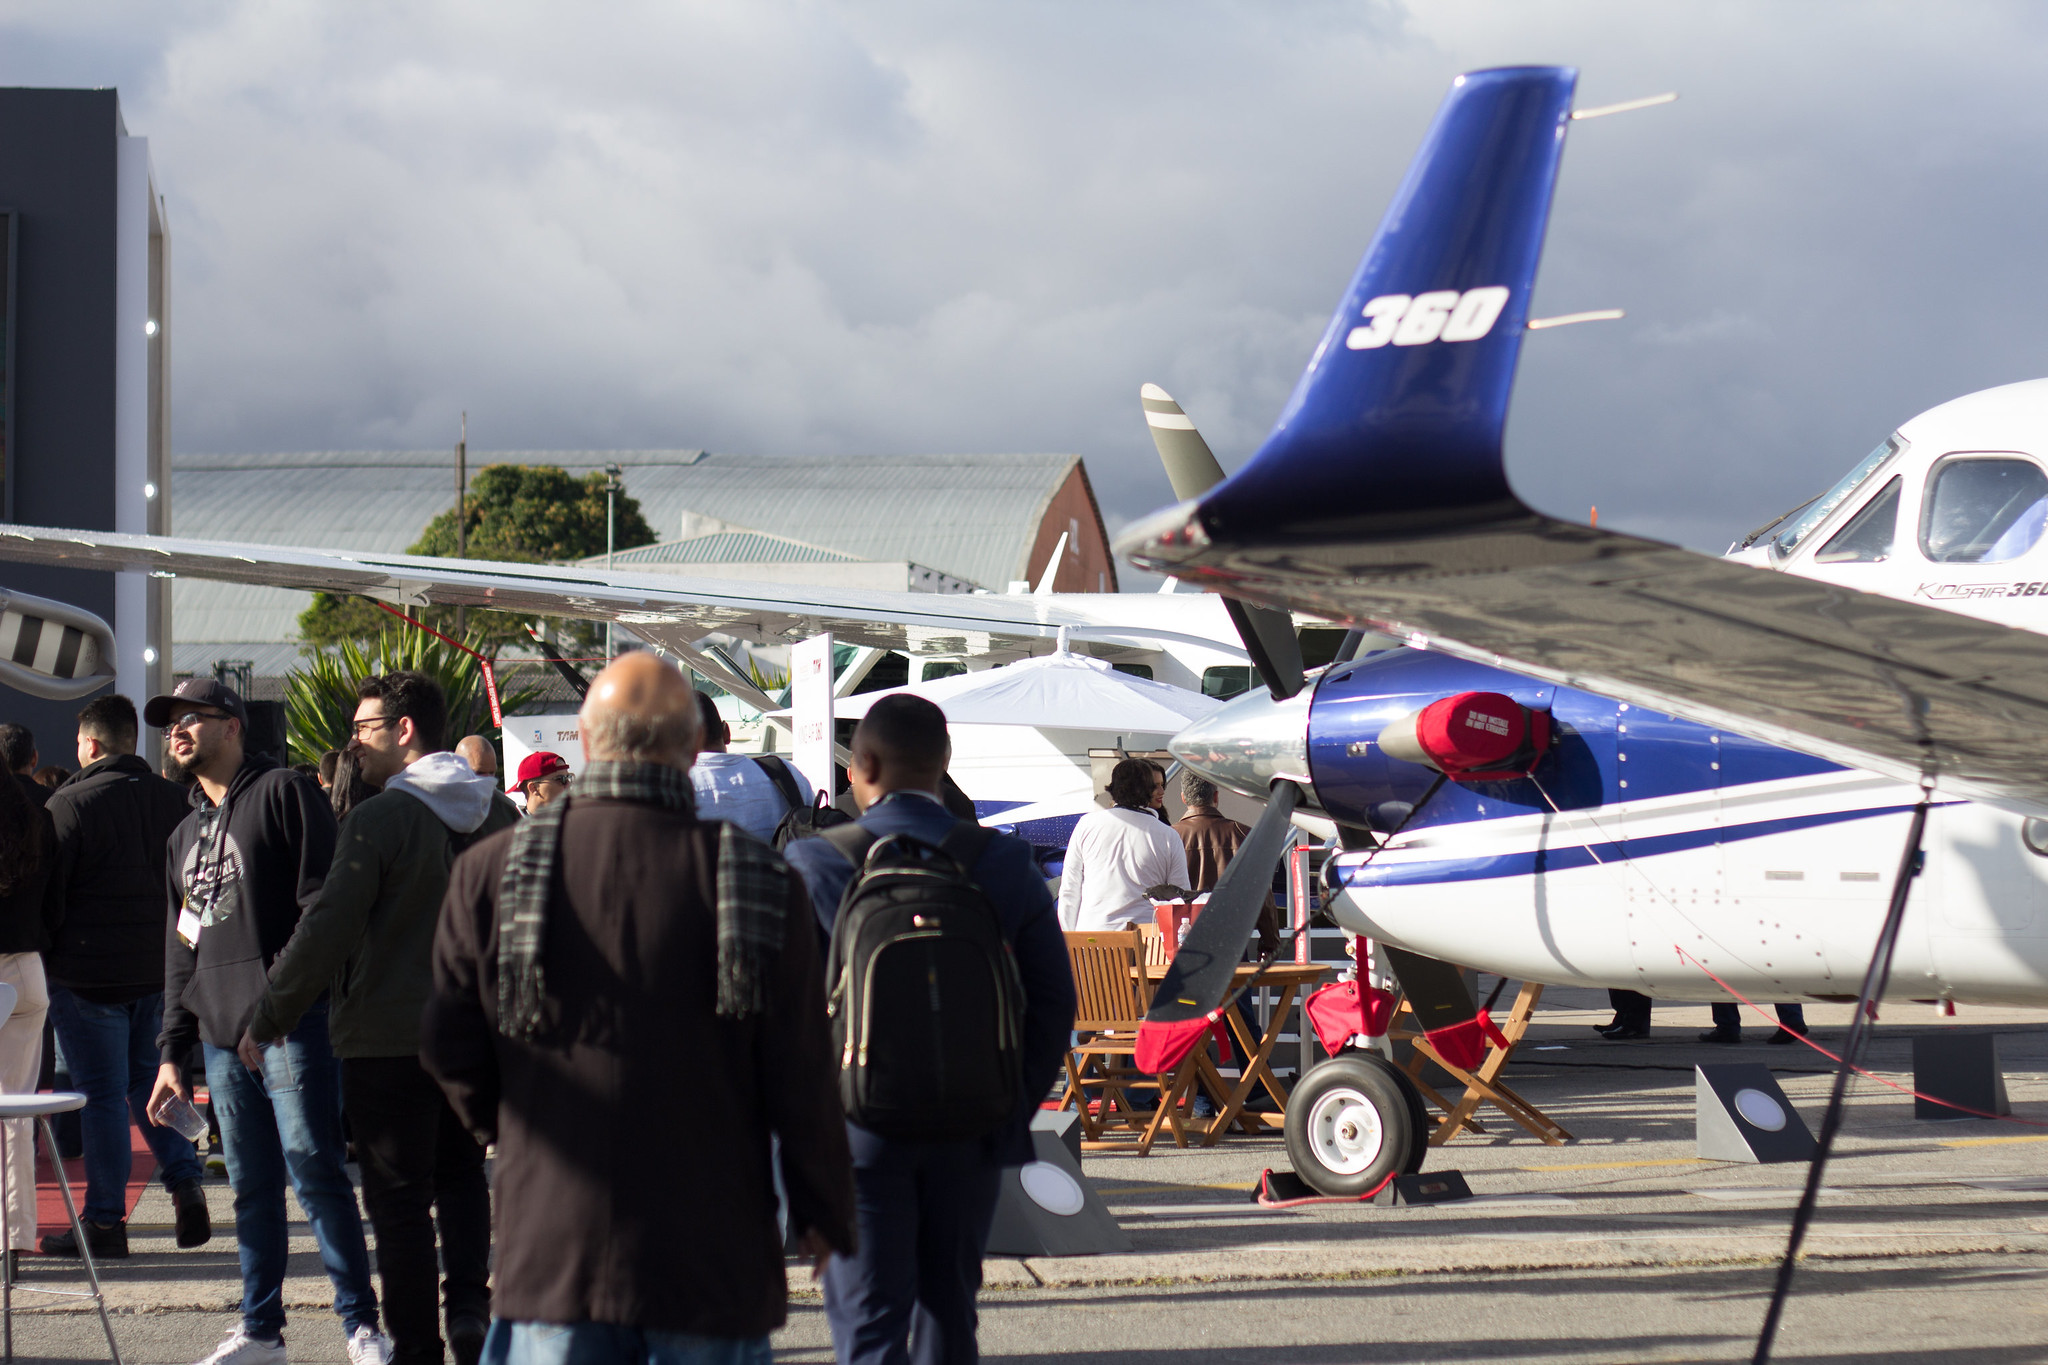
39 1108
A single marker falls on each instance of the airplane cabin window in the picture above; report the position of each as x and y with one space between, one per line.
1225 681
1983 511
1867 539
935 669
1135 670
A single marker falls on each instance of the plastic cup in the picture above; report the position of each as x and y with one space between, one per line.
178 1114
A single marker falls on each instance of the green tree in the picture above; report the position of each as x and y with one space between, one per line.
528 514
320 698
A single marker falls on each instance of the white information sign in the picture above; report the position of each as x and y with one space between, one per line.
525 735
810 704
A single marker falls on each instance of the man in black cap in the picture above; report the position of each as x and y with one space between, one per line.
241 869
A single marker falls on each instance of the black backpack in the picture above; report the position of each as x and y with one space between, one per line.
926 1005
803 819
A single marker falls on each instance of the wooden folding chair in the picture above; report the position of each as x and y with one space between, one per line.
1483 1084
1110 989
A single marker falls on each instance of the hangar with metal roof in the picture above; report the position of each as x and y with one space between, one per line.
919 522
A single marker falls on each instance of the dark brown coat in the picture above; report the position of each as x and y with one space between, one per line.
1212 839
633 1181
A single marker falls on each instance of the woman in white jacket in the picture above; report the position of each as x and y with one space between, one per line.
1117 856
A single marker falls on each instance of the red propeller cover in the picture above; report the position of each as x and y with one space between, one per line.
1163 1046
1341 1009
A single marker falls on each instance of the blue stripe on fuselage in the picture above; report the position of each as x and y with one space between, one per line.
1602 754
1568 856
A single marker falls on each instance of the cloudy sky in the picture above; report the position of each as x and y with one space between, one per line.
844 228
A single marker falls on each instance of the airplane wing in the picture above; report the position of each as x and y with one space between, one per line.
1381 499
666 610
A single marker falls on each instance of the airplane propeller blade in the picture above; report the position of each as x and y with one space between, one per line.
1198 978
1192 469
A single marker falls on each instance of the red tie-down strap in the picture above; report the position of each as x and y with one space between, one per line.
1162 1047
1463 1044
1341 1009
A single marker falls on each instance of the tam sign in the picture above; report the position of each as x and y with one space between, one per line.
525 735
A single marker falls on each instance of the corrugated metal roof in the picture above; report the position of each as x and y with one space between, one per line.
730 547
974 517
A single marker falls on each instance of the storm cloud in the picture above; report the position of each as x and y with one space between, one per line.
813 228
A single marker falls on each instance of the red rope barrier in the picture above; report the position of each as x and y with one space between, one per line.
490 675
1684 956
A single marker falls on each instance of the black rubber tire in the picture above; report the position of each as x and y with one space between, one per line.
1364 1078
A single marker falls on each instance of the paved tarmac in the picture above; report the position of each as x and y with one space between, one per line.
1932 1242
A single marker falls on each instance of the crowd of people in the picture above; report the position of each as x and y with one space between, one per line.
619 995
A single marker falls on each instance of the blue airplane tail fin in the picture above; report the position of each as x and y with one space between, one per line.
1397 420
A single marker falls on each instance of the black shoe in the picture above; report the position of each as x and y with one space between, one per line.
109 1241
1625 1032
466 1338
1722 1035
1607 1029
195 1224
1786 1035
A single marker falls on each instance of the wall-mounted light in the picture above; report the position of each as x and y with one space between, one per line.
149 654
149 328
149 490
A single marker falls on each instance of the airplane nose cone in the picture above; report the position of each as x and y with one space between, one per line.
1248 744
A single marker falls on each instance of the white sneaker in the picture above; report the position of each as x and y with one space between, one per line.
242 1349
367 1346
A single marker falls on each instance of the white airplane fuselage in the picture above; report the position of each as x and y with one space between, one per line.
1657 854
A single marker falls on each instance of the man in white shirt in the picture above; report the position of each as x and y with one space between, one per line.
1118 855
736 787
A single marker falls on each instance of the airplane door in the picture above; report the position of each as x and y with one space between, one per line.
1667 799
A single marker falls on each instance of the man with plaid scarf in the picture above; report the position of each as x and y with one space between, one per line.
628 1000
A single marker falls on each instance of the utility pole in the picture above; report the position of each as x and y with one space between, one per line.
461 517
612 488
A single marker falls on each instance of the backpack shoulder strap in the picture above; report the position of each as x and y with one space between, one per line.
778 773
852 841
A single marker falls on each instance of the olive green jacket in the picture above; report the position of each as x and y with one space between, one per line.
368 940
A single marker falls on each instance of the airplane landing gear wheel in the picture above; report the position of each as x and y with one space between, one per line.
1352 1121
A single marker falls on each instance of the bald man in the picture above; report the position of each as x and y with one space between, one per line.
477 752
580 957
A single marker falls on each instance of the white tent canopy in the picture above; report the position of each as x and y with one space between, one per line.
1059 691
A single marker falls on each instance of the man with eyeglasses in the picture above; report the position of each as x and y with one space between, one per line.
242 868
367 944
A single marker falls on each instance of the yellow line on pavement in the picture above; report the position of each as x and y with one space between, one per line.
1614 1165
1164 1188
1991 1142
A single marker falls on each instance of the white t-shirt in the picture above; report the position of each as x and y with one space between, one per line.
1115 856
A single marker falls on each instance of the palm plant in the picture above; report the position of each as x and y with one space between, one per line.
320 697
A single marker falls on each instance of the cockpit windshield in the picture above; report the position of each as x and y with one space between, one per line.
1800 525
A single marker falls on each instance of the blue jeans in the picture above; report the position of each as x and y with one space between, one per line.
605 1343
288 1123
111 1051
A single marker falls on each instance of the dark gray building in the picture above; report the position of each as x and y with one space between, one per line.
84 369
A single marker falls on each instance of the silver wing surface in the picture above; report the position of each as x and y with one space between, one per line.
666 610
1873 682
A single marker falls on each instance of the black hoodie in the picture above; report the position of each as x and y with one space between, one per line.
113 821
247 884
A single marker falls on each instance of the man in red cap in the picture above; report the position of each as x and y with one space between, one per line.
543 777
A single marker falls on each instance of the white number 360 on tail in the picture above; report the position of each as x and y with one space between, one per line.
1418 319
